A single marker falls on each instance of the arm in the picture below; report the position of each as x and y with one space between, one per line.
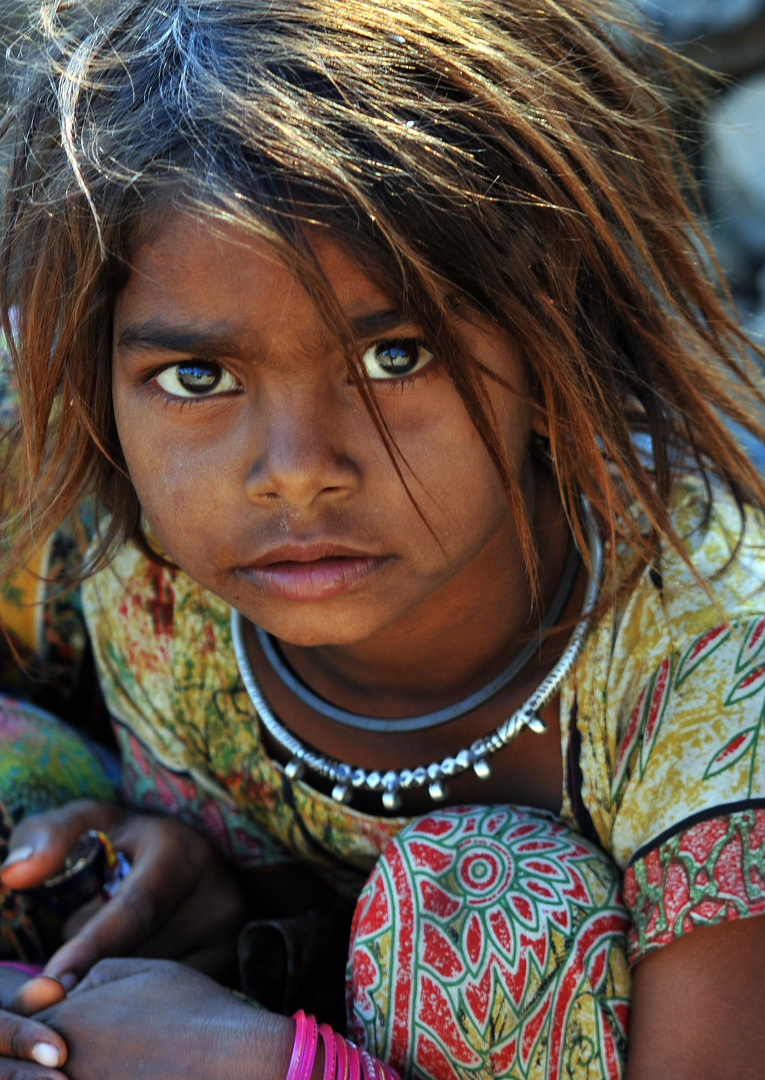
698 1009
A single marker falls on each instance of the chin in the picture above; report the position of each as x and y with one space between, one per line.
313 628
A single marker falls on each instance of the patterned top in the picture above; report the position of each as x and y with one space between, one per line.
661 723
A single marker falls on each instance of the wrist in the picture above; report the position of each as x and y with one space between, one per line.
319 1053
264 1045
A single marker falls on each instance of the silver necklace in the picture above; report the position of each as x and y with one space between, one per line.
347 778
397 725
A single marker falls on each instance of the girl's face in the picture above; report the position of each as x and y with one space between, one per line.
258 466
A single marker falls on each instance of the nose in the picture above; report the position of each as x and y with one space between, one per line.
302 457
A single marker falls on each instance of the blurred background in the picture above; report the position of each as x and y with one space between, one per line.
726 147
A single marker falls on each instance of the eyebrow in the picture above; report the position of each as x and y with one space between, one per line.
164 337
378 322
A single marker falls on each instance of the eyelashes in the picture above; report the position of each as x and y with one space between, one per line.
195 379
396 360
402 357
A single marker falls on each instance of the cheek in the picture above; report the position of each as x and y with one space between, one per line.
173 485
453 481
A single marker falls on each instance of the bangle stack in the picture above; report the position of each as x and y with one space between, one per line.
343 1060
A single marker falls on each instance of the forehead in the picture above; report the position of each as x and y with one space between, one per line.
205 267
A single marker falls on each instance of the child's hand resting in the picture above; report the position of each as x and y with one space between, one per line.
179 900
119 1019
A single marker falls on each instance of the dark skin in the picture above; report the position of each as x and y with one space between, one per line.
273 492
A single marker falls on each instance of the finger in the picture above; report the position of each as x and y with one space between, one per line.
203 932
11 1069
161 877
40 843
29 1040
75 922
36 994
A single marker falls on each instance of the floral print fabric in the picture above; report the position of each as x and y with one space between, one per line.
666 708
490 942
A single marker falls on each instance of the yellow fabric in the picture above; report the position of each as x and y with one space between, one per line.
21 603
642 780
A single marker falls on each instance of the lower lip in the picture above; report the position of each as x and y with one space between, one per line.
319 580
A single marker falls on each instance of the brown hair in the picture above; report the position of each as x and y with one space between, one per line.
513 156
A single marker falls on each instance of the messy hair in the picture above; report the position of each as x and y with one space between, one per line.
511 158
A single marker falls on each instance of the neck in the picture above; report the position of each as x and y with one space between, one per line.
454 642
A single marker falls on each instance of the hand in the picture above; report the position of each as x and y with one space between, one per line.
26 1045
180 900
163 1021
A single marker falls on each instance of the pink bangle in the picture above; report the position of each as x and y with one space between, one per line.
369 1066
343 1060
32 970
341 1048
330 1052
354 1064
304 1047
301 1029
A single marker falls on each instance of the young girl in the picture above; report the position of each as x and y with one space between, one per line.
373 348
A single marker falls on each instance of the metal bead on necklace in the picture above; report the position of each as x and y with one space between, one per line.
347 778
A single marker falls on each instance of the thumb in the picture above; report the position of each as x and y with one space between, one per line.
40 843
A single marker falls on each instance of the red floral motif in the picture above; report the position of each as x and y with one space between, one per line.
488 946
644 724
700 648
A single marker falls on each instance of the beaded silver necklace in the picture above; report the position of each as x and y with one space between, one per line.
347 778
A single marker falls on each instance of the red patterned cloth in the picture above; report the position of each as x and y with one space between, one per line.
490 942
710 873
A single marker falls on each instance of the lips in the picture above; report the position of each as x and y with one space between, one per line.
311 571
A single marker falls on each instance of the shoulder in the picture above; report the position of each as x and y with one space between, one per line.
670 698
148 611
670 688
714 583
720 572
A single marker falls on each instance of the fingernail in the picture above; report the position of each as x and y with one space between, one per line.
68 980
18 855
45 1054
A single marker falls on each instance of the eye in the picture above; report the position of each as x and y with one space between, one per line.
195 379
392 359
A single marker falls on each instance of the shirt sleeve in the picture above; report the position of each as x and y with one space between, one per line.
688 788
664 719
689 783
